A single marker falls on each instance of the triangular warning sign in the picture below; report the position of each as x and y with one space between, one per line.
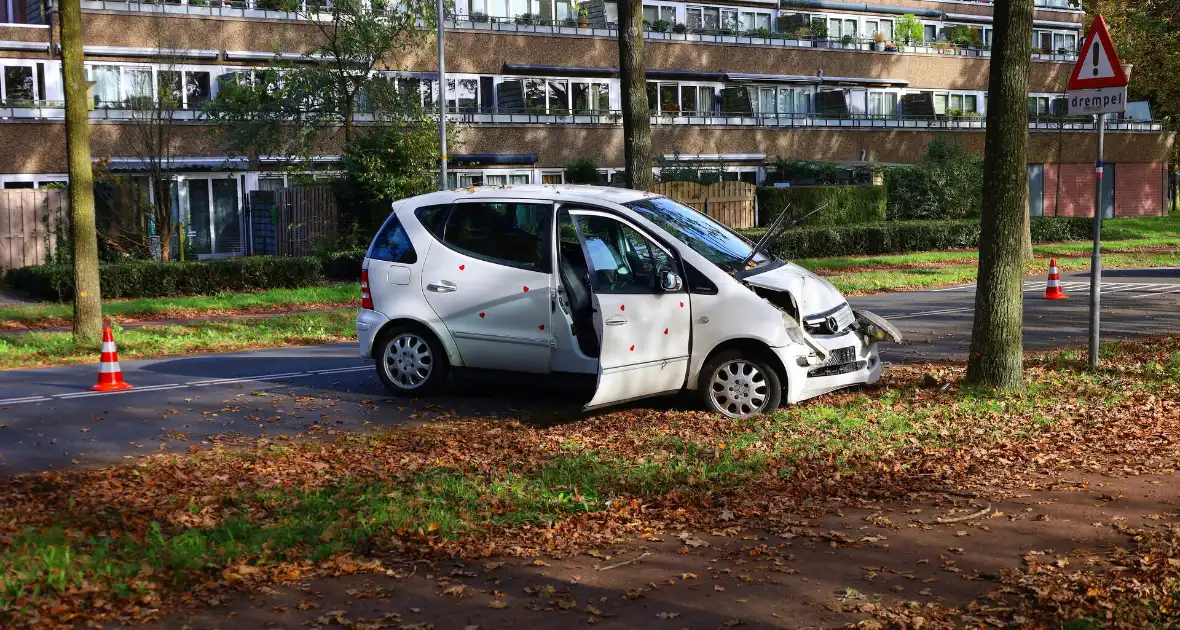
1098 64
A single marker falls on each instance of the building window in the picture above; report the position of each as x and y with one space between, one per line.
711 18
883 104
18 86
463 95
106 85
929 32
555 177
591 98
753 20
653 13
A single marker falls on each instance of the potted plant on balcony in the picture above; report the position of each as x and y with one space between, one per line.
909 29
878 41
661 26
671 110
583 16
525 19
763 33
847 41
479 17
679 28
892 47
819 32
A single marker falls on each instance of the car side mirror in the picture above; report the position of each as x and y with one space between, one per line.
670 282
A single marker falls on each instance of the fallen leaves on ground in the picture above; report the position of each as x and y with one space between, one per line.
123 543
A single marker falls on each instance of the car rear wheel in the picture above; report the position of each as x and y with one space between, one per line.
411 361
739 385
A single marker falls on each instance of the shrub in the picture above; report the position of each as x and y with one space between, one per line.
946 184
163 279
844 204
907 236
582 171
343 266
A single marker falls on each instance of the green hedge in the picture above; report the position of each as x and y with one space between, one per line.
908 236
845 204
146 279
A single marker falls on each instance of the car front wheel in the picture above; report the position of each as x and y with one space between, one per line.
411 361
738 385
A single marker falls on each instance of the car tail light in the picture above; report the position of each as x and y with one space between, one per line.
366 297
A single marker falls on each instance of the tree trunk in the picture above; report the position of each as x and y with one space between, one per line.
163 218
636 114
996 360
87 295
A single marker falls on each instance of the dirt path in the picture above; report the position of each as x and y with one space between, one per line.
821 571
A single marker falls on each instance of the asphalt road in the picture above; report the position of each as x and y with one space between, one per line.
49 419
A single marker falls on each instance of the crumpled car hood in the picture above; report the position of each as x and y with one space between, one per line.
812 293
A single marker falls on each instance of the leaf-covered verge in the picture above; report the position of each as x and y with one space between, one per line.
128 541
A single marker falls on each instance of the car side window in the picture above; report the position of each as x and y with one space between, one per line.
392 244
433 218
506 233
621 259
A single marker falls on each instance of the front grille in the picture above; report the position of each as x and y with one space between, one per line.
833 370
840 356
822 323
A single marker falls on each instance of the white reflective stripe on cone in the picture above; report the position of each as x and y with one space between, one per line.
107 368
1054 284
108 346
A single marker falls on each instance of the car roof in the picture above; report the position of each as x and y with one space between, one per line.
547 192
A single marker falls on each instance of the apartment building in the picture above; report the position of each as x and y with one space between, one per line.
533 84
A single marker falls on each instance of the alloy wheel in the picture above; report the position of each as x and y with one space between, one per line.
408 360
739 388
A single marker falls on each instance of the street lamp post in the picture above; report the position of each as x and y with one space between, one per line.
440 16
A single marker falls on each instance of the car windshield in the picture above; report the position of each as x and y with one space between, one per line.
704 235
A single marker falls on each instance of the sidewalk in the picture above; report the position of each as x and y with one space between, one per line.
824 571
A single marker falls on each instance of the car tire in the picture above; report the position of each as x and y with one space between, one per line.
739 385
410 360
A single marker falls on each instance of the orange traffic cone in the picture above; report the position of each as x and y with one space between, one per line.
110 375
1053 289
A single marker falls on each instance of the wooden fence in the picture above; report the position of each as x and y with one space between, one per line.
30 221
731 203
306 215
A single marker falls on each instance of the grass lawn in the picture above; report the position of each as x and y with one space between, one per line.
307 298
34 349
956 271
1145 242
221 519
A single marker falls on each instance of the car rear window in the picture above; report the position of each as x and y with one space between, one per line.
393 244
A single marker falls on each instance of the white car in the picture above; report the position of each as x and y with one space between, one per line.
650 296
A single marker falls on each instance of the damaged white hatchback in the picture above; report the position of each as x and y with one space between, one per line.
635 292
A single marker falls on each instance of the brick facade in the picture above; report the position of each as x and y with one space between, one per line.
1140 189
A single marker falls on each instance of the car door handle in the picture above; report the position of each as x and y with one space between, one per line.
442 286
615 320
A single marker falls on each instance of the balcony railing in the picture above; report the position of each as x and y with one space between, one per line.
491 117
527 23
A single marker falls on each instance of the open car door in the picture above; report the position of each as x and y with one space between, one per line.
642 313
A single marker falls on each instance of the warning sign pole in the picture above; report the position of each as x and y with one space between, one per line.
1098 85
1096 257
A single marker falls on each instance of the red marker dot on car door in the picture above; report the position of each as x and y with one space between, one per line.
481 315
622 307
665 331
682 305
526 289
632 348
542 326
462 267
